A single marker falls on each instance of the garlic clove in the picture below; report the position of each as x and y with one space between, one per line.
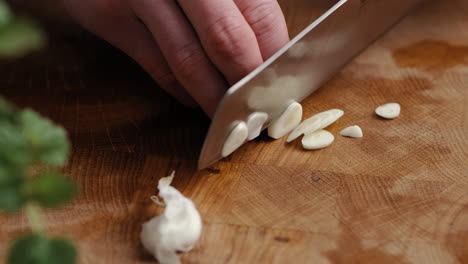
352 131
255 123
235 139
150 235
165 182
177 229
316 122
317 140
388 111
289 119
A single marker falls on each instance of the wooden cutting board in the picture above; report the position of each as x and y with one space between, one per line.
398 195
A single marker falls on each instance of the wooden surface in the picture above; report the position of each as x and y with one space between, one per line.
399 195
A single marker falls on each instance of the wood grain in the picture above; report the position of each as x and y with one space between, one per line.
399 195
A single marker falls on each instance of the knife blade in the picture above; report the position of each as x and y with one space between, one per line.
309 60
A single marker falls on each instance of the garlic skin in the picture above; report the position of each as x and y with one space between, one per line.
288 120
389 111
352 131
177 229
317 140
315 122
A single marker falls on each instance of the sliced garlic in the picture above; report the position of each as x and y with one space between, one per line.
289 119
255 122
177 229
317 140
352 131
235 139
316 122
388 111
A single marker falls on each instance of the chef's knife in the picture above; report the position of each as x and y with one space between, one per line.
302 66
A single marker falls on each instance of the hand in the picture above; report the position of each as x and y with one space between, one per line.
194 49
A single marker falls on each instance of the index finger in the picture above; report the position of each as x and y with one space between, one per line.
226 36
266 19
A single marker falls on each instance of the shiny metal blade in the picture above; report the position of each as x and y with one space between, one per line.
302 66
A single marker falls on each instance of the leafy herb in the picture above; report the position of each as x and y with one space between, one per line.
48 142
11 198
50 189
18 35
32 150
42 250
5 14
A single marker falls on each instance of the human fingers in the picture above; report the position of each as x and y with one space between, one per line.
183 51
266 19
112 21
226 36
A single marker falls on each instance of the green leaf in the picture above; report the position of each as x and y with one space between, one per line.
9 173
50 189
20 36
49 141
5 14
38 249
11 196
6 110
5 173
14 149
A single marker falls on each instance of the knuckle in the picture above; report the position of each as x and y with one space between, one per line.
187 60
158 70
226 37
263 16
165 79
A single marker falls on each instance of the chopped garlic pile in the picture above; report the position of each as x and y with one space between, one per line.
290 122
177 229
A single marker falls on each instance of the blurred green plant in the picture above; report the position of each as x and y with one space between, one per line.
32 151
18 35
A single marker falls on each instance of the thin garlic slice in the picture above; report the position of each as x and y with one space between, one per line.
177 229
235 139
352 131
289 119
255 122
388 111
317 140
316 122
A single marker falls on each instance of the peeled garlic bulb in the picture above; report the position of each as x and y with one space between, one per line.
317 140
235 139
388 111
352 131
289 119
177 229
255 123
316 122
